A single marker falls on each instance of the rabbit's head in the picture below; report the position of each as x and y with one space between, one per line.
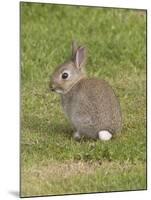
69 73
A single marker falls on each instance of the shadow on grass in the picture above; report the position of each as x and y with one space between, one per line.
40 125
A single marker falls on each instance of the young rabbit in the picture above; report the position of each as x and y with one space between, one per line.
89 103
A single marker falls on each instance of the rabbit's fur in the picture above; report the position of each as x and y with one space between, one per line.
89 103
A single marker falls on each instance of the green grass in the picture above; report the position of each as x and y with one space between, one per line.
115 39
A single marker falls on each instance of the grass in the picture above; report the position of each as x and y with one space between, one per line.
93 177
52 162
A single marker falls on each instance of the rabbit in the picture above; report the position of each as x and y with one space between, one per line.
90 104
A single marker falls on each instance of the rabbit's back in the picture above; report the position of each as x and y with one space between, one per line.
91 105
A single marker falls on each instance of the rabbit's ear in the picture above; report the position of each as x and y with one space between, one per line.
80 57
74 48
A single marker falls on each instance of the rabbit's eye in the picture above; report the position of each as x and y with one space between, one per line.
65 75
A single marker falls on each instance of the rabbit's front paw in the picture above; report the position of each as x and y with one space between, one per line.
77 135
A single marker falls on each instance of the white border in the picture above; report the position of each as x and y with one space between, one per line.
104 3
9 98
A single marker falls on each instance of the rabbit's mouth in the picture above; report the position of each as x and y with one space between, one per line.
55 89
59 91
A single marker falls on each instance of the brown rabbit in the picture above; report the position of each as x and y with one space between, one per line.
89 103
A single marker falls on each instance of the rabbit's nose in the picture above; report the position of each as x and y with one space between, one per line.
51 87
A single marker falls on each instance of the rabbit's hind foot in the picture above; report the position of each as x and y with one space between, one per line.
104 135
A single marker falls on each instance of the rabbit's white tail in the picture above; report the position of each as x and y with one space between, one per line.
104 135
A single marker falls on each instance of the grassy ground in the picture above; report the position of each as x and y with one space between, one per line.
51 161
